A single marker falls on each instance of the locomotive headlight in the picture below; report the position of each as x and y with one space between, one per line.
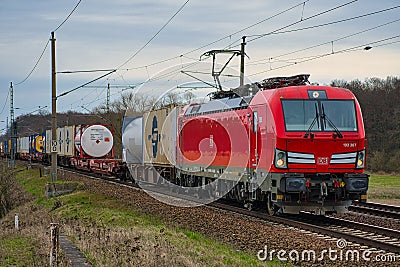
360 159
280 159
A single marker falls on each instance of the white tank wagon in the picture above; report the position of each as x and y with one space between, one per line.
94 149
97 141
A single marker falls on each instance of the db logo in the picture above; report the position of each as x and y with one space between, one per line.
322 161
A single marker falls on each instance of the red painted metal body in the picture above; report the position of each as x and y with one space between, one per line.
242 142
227 138
219 139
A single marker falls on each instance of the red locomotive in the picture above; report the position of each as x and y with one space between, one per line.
291 146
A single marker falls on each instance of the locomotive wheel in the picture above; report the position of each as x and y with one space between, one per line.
271 209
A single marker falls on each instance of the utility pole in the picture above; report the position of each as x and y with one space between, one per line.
53 110
12 126
242 55
108 98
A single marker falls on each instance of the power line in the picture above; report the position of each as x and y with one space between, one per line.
45 47
325 24
301 20
37 62
394 42
347 50
258 36
154 36
69 15
174 72
5 102
76 88
324 43
304 59
82 71
136 53
221 39
338 21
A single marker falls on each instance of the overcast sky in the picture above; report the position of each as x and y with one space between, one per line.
105 34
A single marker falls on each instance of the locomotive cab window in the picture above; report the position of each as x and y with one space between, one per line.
319 115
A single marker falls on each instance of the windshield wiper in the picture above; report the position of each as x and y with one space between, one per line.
315 120
339 134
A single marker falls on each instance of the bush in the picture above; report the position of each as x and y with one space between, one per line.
7 184
11 193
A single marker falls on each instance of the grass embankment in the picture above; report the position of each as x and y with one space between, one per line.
108 232
384 188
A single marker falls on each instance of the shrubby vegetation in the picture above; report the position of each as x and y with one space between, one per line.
11 194
6 190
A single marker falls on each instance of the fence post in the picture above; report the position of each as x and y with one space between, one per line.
16 222
54 239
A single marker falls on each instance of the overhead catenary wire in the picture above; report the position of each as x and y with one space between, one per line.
286 10
47 44
302 19
258 36
228 36
5 102
194 50
326 24
137 52
69 15
278 31
390 43
82 71
36 64
220 39
324 43
347 50
78 87
189 52
155 35
337 21
304 59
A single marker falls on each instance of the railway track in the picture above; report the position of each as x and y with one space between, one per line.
356 228
370 236
376 209
366 235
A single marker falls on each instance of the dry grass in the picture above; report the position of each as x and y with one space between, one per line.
122 247
29 246
111 235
